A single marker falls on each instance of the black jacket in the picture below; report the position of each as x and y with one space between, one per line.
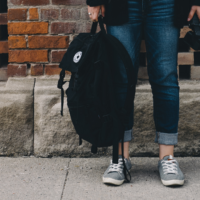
117 11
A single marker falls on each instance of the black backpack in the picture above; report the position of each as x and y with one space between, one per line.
90 96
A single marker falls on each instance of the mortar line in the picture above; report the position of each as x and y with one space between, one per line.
65 179
34 113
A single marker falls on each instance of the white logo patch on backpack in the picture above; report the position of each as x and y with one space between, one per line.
77 56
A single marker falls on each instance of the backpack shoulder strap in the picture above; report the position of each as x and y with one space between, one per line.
61 82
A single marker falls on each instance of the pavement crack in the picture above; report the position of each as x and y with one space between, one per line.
65 179
33 114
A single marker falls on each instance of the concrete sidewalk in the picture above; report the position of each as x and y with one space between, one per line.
59 178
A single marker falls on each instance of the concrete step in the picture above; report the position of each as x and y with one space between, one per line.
31 123
16 117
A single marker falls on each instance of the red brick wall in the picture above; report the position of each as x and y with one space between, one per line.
40 32
3 40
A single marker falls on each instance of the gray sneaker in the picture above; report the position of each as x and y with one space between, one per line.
170 173
114 173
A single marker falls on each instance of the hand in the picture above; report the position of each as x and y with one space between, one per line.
95 12
192 12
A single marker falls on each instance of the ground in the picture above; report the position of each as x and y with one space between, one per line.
59 178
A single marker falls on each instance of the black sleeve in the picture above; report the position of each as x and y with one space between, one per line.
196 2
95 2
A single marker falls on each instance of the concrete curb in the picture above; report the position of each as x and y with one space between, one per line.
31 123
16 117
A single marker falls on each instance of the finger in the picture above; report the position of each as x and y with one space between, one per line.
103 10
191 14
95 16
92 17
198 12
94 12
90 9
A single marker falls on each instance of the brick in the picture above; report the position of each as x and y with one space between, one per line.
17 70
70 14
49 14
33 14
27 28
143 73
29 2
17 14
183 31
46 42
3 47
63 27
73 37
195 72
70 27
37 70
3 19
3 74
56 56
16 42
53 70
84 14
143 46
21 56
185 58
69 2
84 27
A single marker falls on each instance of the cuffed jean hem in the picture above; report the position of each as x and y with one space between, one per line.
166 138
128 135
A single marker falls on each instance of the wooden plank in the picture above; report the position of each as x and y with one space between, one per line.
185 58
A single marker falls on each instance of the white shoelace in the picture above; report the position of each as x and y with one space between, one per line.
170 166
116 167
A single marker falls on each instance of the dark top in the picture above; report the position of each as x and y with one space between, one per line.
117 11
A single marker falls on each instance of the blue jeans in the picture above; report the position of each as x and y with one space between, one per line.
161 39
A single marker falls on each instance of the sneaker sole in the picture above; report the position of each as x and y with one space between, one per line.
172 182
112 181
